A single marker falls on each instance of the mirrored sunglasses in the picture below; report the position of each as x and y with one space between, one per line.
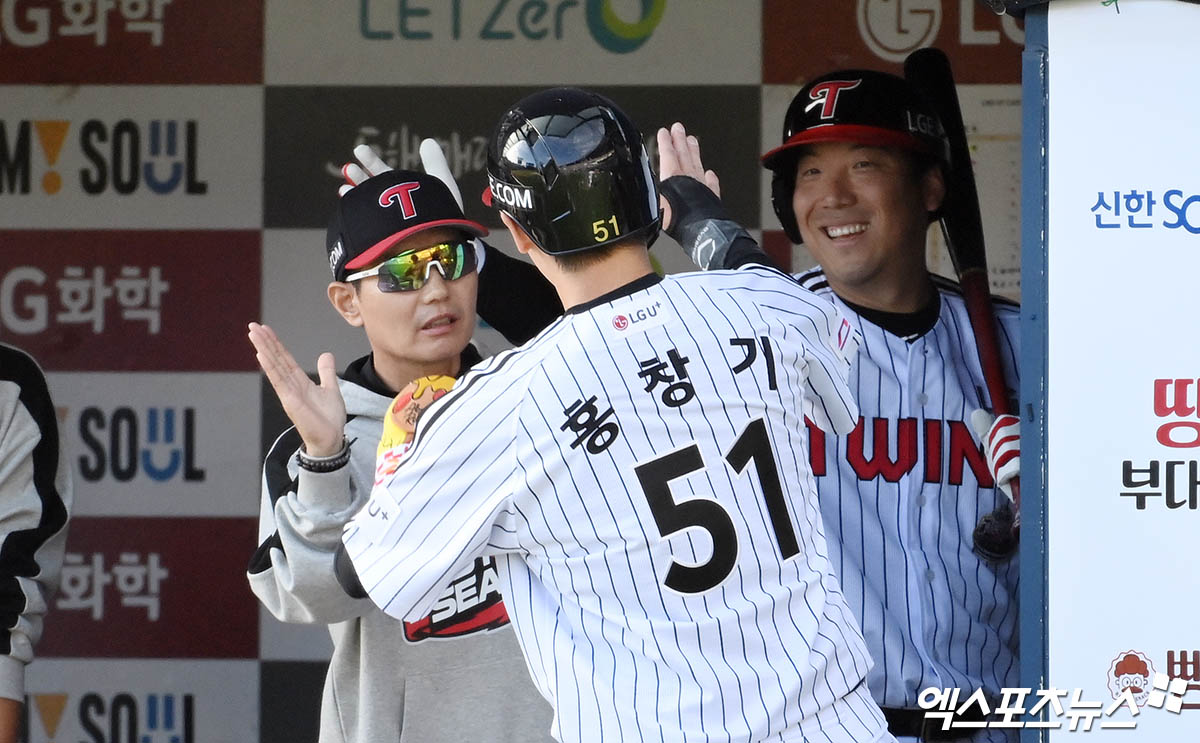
410 270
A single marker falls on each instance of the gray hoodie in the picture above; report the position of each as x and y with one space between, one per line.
457 676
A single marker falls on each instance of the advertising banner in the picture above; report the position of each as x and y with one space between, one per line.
161 444
154 588
147 42
131 300
149 701
1123 386
804 39
512 42
150 156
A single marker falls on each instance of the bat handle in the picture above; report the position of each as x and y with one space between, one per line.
977 295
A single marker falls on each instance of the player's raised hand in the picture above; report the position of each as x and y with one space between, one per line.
318 411
679 154
433 160
369 164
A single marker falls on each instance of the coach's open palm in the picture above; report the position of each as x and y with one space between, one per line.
318 411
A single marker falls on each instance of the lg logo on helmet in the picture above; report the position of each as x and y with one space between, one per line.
893 29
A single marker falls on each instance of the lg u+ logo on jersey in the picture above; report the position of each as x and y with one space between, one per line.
643 318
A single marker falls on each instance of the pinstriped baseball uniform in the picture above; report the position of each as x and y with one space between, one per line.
638 470
900 497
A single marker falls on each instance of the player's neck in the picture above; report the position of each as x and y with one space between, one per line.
906 292
396 373
597 279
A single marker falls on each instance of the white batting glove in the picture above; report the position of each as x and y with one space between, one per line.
369 164
1001 439
433 161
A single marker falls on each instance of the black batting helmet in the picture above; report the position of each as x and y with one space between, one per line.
571 169
863 106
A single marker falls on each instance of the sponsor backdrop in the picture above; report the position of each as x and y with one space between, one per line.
166 171
1123 411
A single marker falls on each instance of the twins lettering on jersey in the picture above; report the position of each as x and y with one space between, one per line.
870 455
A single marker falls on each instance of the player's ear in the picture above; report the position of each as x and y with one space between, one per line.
933 189
344 298
524 244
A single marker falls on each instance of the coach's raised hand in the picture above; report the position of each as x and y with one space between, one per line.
317 411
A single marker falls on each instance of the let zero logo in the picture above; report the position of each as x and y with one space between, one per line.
500 20
894 28
617 35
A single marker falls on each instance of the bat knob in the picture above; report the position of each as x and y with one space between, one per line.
995 536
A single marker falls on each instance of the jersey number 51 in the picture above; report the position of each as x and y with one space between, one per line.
709 515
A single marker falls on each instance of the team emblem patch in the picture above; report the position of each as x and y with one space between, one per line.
400 423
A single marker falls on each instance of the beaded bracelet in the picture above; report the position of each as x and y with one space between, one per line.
325 464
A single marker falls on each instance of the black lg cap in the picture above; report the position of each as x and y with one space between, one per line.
383 210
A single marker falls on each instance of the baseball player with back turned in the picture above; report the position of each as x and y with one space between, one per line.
638 469
857 179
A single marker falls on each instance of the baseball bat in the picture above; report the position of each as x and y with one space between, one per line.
928 70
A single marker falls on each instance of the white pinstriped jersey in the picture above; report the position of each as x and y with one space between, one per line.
638 470
901 496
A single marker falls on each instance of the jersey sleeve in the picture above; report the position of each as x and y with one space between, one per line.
301 518
830 345
441 508
35 502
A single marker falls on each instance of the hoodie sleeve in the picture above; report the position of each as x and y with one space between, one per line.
300 527
35 501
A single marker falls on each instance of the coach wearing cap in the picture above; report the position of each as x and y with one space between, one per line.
404 264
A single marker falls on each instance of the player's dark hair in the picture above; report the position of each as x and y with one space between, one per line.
582 260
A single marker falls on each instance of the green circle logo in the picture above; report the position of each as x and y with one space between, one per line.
616 35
